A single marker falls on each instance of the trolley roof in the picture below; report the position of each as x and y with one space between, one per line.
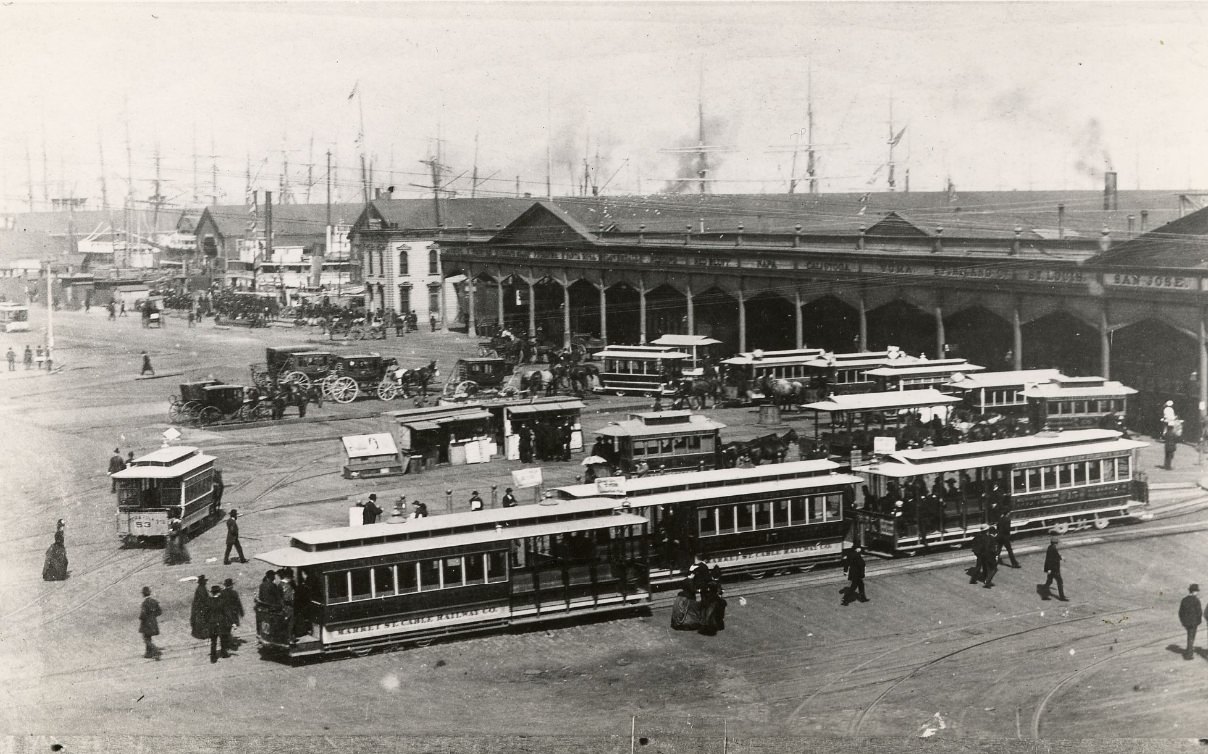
647 485
680 422
521 409
641 352
1079 387
684 340
1020 378
796 356
166 463
739 490
900 368
321 539
1046 446
292 557
882 401
861 358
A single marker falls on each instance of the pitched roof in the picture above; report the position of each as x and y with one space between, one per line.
420 214
233 220
1182 243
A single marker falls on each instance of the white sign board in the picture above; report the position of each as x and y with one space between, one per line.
611 485
884 445
171 433
524 478
362 446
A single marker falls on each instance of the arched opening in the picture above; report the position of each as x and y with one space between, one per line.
515 305
903 325
716 314
1161 363
1061 341
623 306
584 309
831 324
549 312
666 312
771 324
981 337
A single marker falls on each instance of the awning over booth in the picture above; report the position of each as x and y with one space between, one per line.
545 408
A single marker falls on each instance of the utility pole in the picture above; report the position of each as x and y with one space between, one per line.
329 188
29 174
268 235
100 143
157 198
310 168
45 171
213 173
810 160
196 199
474 175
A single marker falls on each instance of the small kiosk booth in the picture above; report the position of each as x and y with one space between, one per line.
659 442
533 427
698 347
997 392
372 456
175 482
442 434
1077 402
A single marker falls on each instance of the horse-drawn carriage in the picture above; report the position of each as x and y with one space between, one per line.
359 374
477 375
301 365
210 402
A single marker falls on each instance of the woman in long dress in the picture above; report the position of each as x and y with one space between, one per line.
174 548
55 568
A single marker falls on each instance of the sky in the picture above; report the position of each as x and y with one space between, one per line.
991 96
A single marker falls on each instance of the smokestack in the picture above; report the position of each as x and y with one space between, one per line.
1144 220
1060 221
1109 190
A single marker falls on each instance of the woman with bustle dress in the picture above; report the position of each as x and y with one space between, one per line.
55 567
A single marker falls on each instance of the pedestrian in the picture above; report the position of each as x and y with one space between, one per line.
12 359
1052 566
232 539
232 606
40 357
421 510
123 310
1172 432
192 317
112 310
1004 534
28 359
146 365
475 501
984 547
853 567
198 614
55 566
432 320
269 592
399 514
216 626
1191 614
148 623
285 580
116 464
130 459
50 362
509 500
370 511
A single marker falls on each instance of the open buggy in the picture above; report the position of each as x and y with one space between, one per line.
301 365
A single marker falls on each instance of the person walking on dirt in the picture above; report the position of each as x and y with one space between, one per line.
1191 614
1052 566
116 464
853 568
12 359
146 365
148 623
232 540
28 358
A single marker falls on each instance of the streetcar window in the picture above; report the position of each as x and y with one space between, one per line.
1122 468
476 570
1108 469
1080 473
383 581
497 566
681 446
797 510
816 510
665 446
1049 474
360 584
429 575
763 515
1064 475
744 518
639 448
337 587
725 520
408 578
706 521
451 572
1094 471
1079 407
834 507
704 443
1019 481
780 513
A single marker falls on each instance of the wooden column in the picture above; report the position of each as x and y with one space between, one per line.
440 276
742 321
863 325
532 328
1203 364
565 314
799 324
939 331
641 314
603 311
1105 344
1016 339
499 302
471 306
691 309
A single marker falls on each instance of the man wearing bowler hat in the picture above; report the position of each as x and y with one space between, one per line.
1191 614
232 539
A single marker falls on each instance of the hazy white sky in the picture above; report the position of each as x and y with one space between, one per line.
1009 95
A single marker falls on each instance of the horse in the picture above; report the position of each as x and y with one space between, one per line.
533 381
699 390
419 378
772 448
781 392
289 394
581 376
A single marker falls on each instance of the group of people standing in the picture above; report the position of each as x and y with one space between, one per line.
215 612
41 357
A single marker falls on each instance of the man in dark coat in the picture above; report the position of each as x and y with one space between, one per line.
198 618
370 511
1003 512
1052 566
853 567
146 365
984 546
232 607
115 464
232 540
216 622
148 623
269 593
509 500
1191 614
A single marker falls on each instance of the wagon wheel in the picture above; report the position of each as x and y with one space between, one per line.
174 415
298 378
344 390
326 384
210 415
467 387
190 412
387 390
356 333
1101 522
1061 528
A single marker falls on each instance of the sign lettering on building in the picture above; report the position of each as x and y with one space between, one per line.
1169 282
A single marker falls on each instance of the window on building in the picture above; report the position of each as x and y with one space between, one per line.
433 261
403 266
369 258
404 298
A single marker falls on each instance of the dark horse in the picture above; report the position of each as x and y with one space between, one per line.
290 394
418 378
699 391
580 376
772 448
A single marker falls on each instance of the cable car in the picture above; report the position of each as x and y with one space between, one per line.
14 317
641 369
176 482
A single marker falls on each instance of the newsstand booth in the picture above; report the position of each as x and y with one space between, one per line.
373 455
433 435
508 418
